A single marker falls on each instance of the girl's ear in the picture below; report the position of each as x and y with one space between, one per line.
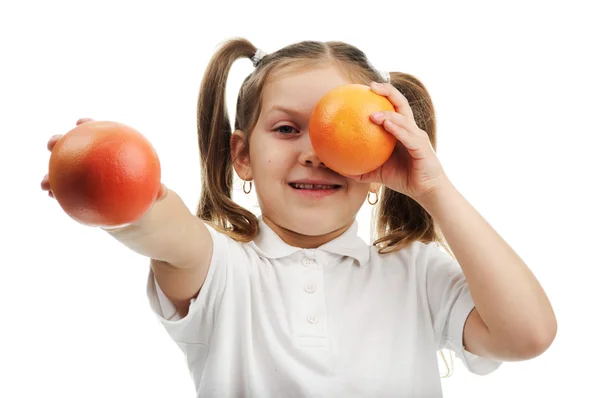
374 187
240 155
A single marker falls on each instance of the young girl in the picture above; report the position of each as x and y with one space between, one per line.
293 303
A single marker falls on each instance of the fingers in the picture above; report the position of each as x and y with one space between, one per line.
400 121
394 123
413 139
53 140
380 117
56 137
46 186
398 100
84 120
408 140
45 183
162 192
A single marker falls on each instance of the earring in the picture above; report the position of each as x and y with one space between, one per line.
376 198
247 191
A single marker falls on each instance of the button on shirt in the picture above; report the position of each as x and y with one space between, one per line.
342 320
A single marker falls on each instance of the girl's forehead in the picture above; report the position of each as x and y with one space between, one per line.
301 90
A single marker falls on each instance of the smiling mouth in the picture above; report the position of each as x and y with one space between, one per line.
314 186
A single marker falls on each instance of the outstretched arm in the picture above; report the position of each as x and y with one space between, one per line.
178 244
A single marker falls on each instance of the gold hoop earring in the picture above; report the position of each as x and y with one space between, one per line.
376 198
244 187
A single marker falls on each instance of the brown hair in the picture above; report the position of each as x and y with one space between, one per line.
400 220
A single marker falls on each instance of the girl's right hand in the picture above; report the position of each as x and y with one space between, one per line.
45 183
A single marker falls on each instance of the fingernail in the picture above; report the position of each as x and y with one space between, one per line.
377 115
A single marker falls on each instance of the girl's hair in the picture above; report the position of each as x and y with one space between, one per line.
400 220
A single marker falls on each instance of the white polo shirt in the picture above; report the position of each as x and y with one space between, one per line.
341 320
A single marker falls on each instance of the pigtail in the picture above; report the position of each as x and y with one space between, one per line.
400 220
214 132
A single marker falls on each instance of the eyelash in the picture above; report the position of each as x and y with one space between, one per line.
286 125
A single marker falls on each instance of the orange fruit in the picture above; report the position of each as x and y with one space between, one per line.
342 133
104 174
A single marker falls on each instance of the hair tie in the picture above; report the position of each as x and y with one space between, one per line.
385 76
257 57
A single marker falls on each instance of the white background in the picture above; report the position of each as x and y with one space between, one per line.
515 85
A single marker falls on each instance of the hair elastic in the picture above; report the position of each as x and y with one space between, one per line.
385 76
257 57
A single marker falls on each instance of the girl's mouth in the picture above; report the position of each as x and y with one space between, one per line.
314 191
313 186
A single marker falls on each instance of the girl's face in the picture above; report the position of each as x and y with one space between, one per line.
285 168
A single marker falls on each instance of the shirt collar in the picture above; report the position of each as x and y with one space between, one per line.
268 244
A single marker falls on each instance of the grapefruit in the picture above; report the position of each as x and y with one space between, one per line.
342 133
104 174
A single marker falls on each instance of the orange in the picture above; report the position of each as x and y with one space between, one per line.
104 174
342 133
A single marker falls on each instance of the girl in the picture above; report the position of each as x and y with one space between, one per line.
293 303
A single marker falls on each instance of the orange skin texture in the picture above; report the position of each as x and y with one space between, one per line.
104 174
342 133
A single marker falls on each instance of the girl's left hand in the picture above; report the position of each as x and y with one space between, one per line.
413 168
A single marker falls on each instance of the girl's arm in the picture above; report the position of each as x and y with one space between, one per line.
513 318
178 243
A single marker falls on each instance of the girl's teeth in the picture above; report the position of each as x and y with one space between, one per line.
312 186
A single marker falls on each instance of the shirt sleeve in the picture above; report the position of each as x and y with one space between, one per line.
450 303
196 327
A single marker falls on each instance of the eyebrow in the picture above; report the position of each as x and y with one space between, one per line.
284 109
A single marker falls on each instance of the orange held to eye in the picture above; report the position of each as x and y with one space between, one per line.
342 133
104 174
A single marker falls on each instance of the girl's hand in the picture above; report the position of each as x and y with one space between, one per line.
413 168
51 142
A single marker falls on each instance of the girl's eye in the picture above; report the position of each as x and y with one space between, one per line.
286 130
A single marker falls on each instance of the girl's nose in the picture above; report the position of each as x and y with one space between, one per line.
308 157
